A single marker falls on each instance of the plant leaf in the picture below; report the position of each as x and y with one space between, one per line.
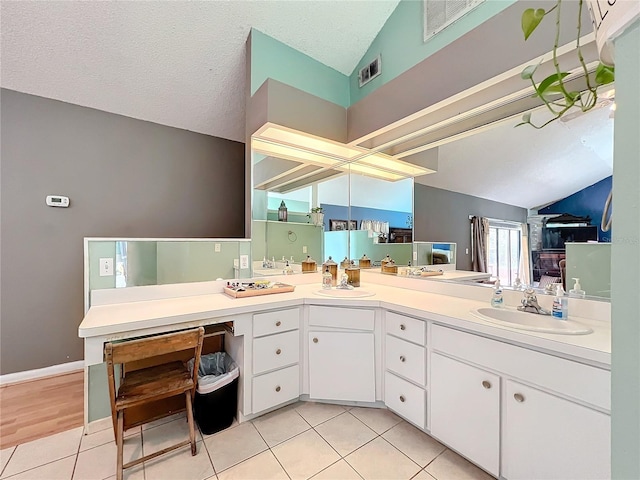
551 80
528 72
604 74
530 20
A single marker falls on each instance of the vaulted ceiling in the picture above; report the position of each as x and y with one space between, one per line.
175 63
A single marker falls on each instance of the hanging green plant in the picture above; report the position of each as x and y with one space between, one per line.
552 90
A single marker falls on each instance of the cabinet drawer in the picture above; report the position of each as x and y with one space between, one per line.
405 399
406 359
407 328
276 351
352 318
584 382
274 322
275 388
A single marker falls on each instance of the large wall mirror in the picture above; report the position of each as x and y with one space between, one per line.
515 177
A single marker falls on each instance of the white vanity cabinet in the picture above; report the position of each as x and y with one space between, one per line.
518 413
276 358
465 410
341 348
548 437
405 364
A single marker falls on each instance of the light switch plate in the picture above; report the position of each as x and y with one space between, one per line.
216 247
236 263
415 256
304 249
106 267
244 261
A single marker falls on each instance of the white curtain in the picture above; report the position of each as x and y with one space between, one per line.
524 270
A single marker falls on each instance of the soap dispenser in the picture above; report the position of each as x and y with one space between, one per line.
577 291
497 301
560 304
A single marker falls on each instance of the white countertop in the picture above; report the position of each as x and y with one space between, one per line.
118 318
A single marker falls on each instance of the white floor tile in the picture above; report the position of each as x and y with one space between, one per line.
380 460
340 470
422 475
5 455
100 462
345 433
166 435
58 470
378 419
451 465
44 450
180 464
280 425
163 420
415 444
316 413
305 455
234 445
263 466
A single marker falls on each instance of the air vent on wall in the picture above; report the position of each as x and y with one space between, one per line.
369 72
439 14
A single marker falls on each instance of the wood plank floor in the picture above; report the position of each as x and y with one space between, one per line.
39 408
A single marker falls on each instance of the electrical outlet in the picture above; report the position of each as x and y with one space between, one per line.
216 247
415 256
304 249
244 261
106 267
236 263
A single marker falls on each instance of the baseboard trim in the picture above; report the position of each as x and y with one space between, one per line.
38 373
98 425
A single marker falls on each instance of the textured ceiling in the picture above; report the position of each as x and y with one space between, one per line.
527 167
175 63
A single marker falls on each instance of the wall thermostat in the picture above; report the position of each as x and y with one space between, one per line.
57 201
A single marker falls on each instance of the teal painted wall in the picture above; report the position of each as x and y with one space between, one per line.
273 59
401 41
625 262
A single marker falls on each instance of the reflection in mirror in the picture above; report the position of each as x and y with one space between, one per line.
442 255
564 168
164 261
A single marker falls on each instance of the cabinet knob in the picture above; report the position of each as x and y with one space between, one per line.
315 340
402 359
278 323
519 397
486 384
278 388
402 327
402 398
278 352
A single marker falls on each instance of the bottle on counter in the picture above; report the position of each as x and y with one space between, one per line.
560 308
327 279
497 300
577 291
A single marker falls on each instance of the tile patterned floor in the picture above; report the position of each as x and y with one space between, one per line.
304 440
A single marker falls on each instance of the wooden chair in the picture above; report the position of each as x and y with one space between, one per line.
147 385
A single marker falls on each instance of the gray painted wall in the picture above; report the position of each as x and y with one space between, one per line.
443 216
125 177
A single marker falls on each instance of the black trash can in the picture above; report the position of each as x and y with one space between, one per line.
216 399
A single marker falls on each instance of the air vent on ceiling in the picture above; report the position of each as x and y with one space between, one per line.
439 14
369 72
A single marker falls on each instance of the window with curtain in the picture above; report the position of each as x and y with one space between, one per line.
505 249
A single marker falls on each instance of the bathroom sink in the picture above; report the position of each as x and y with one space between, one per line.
340 293
510 317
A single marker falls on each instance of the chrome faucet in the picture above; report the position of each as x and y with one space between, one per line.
530 303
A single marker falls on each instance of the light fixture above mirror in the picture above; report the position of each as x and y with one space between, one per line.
288 150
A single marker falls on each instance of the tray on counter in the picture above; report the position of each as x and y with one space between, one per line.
250 290
430 274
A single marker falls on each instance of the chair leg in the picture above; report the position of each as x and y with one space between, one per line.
192 432
120 444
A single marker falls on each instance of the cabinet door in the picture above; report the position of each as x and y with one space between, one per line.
465 410
342 366
547 437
